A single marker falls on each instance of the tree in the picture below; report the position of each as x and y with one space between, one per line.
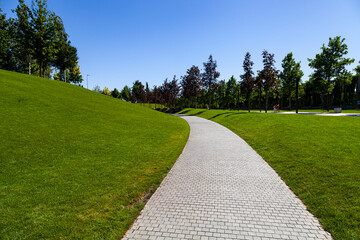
174 90
97 89
126 93
166 92
74 74
220 93
357 70
4 41
148 93
269 75
24 46
231 93
64 55
191 84
41 23
248 81
106 91
330 66
288 77
115 93
209 77
138 92
259 82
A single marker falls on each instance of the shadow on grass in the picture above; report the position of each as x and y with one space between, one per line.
183 112
227 114
198 113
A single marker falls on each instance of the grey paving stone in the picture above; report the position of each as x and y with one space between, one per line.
220 187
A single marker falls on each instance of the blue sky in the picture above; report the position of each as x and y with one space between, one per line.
119 42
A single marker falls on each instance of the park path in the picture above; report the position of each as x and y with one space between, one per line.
220 188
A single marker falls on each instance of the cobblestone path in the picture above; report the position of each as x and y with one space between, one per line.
220 188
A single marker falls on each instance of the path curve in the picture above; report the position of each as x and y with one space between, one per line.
220 188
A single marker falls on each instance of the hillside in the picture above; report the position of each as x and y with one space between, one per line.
75 163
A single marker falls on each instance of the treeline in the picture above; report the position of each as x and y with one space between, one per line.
331 84
35 42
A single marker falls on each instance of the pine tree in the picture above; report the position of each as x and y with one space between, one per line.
41 34
209 77
248 81
269 75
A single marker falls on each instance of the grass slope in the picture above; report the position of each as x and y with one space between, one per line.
317 156
77 164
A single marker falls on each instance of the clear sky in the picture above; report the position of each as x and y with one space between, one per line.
120 41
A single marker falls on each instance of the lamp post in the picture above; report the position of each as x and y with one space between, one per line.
87 81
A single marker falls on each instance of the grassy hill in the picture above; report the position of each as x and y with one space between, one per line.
75 163
317 156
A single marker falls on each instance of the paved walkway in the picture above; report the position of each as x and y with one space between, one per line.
220 188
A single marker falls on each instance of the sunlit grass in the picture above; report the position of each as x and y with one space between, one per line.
317 156
76 164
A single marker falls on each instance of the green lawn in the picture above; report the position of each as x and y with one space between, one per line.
75 164
323 111
317 156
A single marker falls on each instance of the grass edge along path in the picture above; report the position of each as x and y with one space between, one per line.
75 164
317 157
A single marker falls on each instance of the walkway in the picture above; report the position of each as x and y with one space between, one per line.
220 188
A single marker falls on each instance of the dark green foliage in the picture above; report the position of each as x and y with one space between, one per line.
209 77
125 93
330 67
191 84
115 93
291 71
36 41
248 81
268 75
138 92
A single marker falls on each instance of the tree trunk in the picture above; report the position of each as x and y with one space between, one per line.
248 100
40 69
290 102
195 102
237 100
260 99
29 59
209 101
266 100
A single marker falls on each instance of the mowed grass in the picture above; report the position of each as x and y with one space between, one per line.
323 110
317 156
75 164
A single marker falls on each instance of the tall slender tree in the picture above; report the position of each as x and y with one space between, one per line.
259 83
248 81
269 75
291 71
191 84
23 37
175 90
330 65
209 77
